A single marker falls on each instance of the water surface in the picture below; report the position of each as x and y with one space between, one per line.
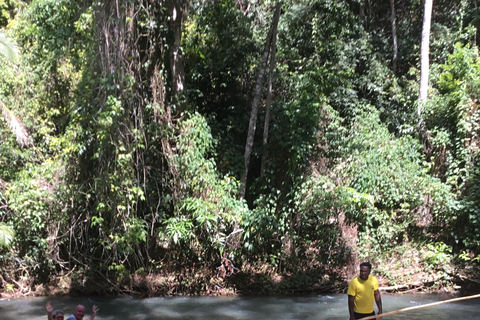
315 307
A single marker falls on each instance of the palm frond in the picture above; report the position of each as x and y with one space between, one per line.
7 48
16 125
6 235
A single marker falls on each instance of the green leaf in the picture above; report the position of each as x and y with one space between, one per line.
6 235
7 48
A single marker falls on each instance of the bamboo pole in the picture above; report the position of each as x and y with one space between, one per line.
420 307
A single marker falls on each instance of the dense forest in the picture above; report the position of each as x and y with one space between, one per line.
238 146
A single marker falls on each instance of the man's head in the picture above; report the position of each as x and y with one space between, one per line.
365 269
79 312
57 315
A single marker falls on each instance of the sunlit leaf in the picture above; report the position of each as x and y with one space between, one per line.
6 235
7 48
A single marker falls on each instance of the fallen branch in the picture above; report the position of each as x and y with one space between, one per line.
419 288
401 286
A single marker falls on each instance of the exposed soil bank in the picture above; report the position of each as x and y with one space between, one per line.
245 282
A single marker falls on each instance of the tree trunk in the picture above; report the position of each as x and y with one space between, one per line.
424 61
269 93
252 125
393 18
177 71
476 31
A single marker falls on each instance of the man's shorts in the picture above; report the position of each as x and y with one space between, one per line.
363 315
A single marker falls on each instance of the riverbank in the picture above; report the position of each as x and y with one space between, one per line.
250 281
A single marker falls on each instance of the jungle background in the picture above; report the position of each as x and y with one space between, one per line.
237 146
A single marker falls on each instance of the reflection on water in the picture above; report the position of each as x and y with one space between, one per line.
319 307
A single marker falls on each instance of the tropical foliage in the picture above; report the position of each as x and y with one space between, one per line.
124 127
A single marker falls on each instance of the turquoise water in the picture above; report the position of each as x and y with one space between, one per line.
315 307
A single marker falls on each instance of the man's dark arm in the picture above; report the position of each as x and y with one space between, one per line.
351 304
378 301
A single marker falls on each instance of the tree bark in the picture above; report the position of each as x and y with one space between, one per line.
424 60
269 93
176 12
476 32
393 18
252 125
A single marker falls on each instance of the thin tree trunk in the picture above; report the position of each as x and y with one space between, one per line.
252 125
269 93
476 31
424 60
394 35
177 70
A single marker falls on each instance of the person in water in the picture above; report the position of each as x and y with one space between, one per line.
80 313
53 314
362 291
77 315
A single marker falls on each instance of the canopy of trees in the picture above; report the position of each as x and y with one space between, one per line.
152 138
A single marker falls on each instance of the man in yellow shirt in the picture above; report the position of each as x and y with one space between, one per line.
362 291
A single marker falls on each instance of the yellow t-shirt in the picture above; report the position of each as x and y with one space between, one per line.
363 293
